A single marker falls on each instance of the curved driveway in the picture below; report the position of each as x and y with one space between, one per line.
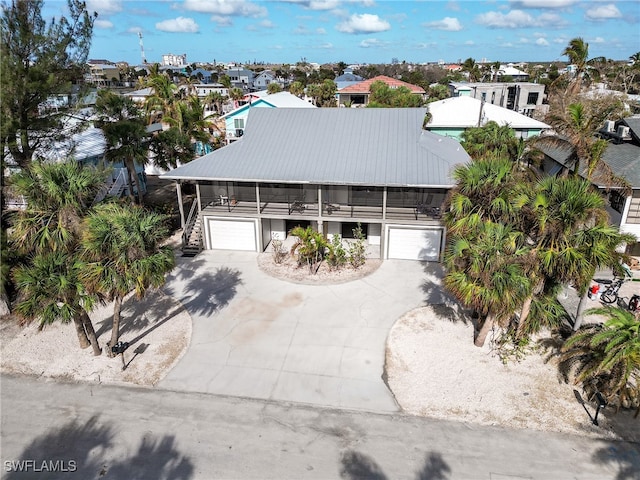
259 337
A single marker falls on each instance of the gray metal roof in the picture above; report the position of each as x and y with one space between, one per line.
340 146
624 160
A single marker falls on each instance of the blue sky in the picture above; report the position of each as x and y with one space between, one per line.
359 31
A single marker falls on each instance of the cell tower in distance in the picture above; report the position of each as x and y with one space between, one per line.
144 58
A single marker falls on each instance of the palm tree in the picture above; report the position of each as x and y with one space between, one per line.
576 126
606 358
570 237
310 247
297 89
127 140
578 53
162 103
123 247
51 289
471 67
485 271
489 138
58 196
236 94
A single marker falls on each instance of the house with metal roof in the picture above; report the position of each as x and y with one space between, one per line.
522 97
622 156
452 116
328 168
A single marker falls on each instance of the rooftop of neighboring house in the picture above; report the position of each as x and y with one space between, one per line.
334 146
623 157
471 85
508 70
365 86
465 112
277 100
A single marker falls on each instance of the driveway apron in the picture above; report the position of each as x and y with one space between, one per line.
259 337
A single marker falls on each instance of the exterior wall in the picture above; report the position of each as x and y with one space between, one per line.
498 94
448 132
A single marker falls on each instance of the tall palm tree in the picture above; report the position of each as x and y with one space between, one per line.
162 103
576 125
236 94
58 196
123 247
578 53
473 69
607 357
570 236
485 271
127 140
297 89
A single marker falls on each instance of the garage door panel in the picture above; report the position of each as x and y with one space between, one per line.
232 234
414 244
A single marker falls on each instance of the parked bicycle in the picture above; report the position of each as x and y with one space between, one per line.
610 294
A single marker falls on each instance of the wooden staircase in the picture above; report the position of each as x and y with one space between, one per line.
192 236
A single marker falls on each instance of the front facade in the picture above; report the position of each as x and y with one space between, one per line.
330 169
525 98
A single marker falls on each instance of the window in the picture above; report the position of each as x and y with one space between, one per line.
616 200
238 123
484 96
532 98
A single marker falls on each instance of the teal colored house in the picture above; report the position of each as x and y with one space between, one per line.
235 121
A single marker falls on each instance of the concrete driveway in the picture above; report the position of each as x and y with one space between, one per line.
259 337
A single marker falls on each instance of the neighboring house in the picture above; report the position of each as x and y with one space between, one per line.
102 73
347 79
139 96
263 79
236 120
328 168
171 60
241 78
358 93
85 144
523 98
623 158
510 71
201 74
452 116
203 90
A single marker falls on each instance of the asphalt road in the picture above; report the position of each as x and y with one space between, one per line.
111 432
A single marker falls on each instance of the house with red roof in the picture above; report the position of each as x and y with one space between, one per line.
358 94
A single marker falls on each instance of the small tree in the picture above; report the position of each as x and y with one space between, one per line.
310 247
357 249
279 253
337 256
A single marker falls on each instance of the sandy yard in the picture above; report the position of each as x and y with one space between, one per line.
432 366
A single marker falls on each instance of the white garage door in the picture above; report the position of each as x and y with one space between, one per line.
414 243
232 234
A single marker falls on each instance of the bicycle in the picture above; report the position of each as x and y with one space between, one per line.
610 294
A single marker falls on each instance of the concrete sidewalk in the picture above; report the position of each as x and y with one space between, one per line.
259 337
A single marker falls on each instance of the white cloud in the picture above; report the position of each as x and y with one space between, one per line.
560 40
177 25
370 42
365 23
542 42
237 8
222 21
469 42
449 24
507 45
603 12
135 30
453 6
103 24
267 24
598 40
315 4
104 7
518 19
543 3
